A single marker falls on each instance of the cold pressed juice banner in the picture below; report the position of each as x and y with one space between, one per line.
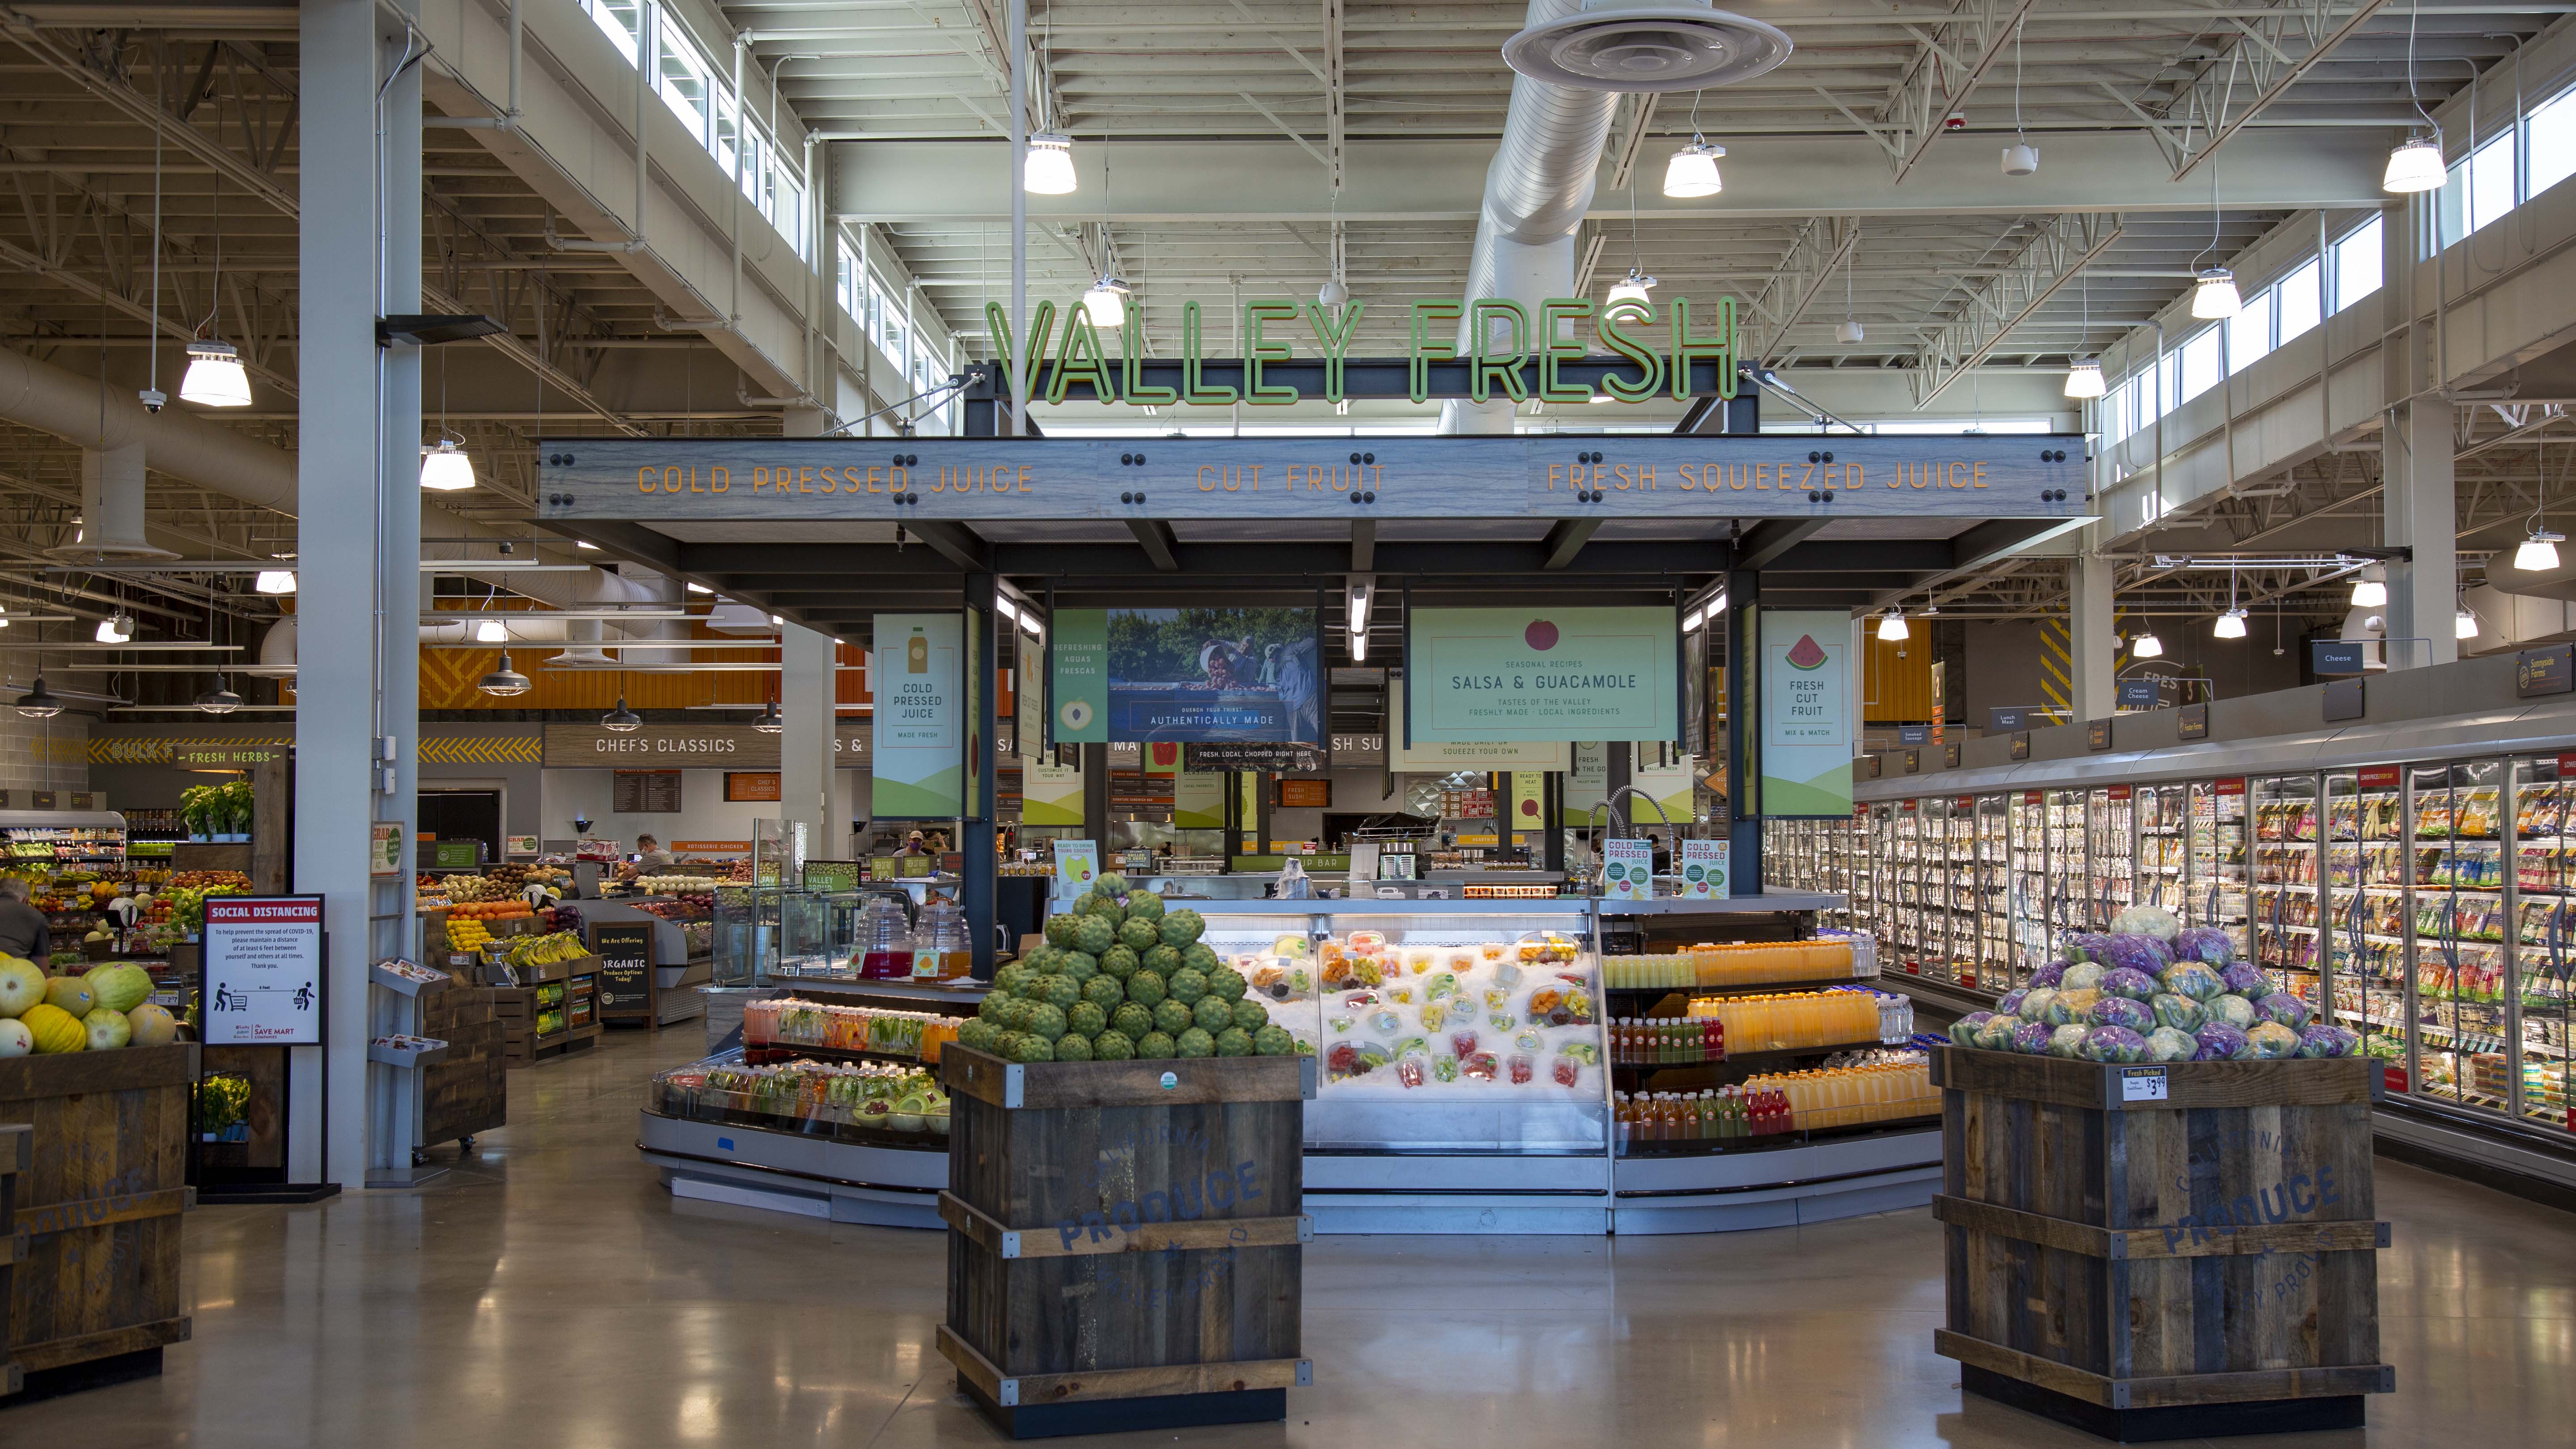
1204 674
918 739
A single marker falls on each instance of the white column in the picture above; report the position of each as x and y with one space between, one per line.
805 696
2092 641
2415 447
356 404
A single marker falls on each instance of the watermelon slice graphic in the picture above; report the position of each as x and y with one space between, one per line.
1808 654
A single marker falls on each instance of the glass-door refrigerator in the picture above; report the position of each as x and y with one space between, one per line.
2069 907
2458 914
2543 961
2164 859
1994 892
2365 906
2218 859
2111 833
1865 860
1907 902
1959 897
2285 882
2027 903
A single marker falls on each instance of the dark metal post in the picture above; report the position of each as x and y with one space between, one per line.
1743 733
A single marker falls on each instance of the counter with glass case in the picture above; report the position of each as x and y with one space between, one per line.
1465 1079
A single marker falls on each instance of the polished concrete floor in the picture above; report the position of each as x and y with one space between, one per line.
549 1294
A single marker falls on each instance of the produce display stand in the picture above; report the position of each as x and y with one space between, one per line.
16 1157
2162 1251
1125 1240
468 1092
94 1295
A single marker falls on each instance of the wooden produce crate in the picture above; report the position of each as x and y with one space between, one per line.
1125 1240
2162 1252
16 1157
95 1293
467 1093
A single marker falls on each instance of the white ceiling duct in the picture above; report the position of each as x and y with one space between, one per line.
111 507
49 399
739 619
276 652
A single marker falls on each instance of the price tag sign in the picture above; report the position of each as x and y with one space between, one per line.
2142 1084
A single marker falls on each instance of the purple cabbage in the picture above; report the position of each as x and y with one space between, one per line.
2284 1008
2084 946
2207 945
2052 974
2128 981
2142 953
2245 978
2121 1011
1963 1032
2115 1044
2220 1042
2011 1004
2032 1037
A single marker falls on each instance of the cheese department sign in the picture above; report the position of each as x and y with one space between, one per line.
1662 476
705 747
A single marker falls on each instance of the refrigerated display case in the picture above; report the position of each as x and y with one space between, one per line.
2544 881
2218 857
2028 901
1994 915
2164 853
2457 913
2110 853
2285 882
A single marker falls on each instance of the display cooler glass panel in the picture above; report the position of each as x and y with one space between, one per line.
2544 956
2217 895
2284 900
2457 927
2111 854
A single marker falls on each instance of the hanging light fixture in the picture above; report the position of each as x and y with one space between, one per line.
2146 645
2370 588
2084 379
275 581
39 702
1047 169
220 699
2230 625
1850 332
2020 159
1631 288
770 721
621 720
445 468
215 378
1106 302
2215 297
2413 165
2539 551
116 630
1891 626
1693 171
504 682
2464 620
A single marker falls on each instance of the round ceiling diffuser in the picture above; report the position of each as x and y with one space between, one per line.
1620 47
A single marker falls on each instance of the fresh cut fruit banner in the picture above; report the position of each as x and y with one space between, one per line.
1805 687
918 729
1542 674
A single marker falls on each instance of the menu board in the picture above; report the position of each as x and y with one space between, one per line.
645 792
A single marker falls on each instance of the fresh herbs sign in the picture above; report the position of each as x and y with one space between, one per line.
1805 685
1544 674
1512 351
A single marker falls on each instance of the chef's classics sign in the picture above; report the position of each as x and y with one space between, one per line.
713 747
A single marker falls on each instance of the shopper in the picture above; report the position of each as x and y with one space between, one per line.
911 844
23 932
650 856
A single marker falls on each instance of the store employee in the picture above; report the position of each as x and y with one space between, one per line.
23 932
649 854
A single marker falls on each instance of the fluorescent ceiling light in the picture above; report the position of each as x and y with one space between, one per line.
697 588
1001 603
585 543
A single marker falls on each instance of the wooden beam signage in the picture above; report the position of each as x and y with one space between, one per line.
687 747
793 480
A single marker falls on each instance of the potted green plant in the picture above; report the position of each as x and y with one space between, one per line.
234 808
196 809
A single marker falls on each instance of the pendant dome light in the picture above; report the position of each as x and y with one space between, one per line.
621 720
2084 374
770 721
2215 296
2020 158
220 699
2538 552
504 682
2230 625
1631 288
1634 286
2464 620
214 378
2146 645
2370 588
275 581
445 468
1851 332
1692 171
1106 302
1891 626
1047 167
116 630
2413 165
39 702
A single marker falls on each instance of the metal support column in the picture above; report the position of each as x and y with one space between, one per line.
2092 639
806 690
1743 763
1094 760
975 837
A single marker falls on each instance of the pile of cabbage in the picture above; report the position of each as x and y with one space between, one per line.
2136 996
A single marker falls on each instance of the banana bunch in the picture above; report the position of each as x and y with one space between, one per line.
545 950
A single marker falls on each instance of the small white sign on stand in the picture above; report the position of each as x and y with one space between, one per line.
1077 867
263 959
1704 869
1628 870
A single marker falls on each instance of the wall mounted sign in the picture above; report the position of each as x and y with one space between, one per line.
1804 681
2544 670
1229 755
645 792
1913 761
2338 656
2191 722
263 971
1869 767
1950 755
2140 694
2097 734
1913 734
2021 744
2343 700
384 850
1305 794
1536 476
1543 675
688 746
1438 757
2003 719
754 785
919 740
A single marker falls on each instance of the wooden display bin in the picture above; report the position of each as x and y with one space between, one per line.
2162 1252
94 1296
1125 1240
467 1093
